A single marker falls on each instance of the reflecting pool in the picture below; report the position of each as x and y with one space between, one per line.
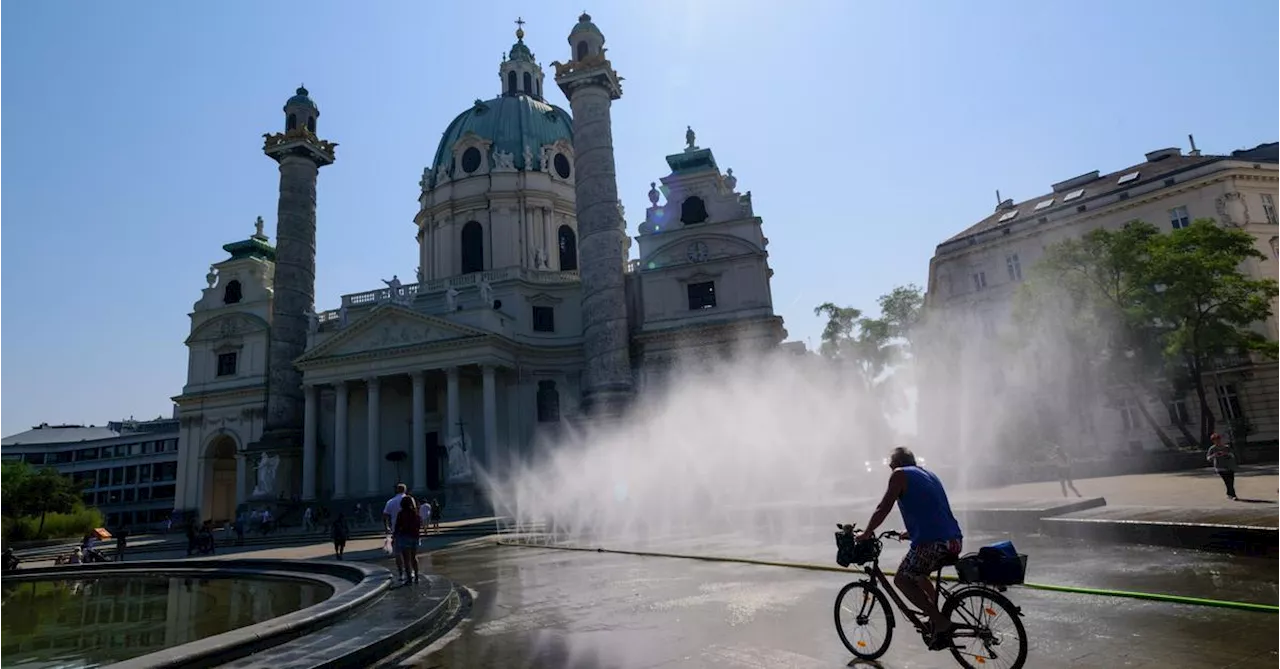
91 622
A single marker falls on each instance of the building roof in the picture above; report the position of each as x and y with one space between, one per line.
301 97
1160 165
58 434
511 123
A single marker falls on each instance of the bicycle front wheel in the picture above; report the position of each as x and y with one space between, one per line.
864 620
988 630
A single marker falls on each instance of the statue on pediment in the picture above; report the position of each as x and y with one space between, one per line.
393 289
313 320
451 299
486 293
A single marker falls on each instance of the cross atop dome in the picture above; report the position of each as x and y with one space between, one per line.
519 28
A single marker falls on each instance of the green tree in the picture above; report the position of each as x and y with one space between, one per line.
37 492
1205 306
1147 312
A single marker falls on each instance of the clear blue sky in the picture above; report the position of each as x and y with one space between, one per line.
867 132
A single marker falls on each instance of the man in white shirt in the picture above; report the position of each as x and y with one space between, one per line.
389 513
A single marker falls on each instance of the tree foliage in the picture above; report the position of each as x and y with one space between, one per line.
28 491
873 348
1151 312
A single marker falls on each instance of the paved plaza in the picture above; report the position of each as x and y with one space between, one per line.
538 607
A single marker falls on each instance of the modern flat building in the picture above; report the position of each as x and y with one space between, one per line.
975 390
129 467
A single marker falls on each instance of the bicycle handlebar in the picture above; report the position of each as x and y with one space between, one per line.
887 534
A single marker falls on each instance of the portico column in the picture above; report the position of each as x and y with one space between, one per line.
242 479
309 442
451 403
340 441
419 431
374 447
490 391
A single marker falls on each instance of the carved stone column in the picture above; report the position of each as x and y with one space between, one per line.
340 440
374 453
451 403
591 85
309 442
419 432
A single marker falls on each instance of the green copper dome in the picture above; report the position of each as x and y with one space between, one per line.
584 23
511 123
520 52
301 98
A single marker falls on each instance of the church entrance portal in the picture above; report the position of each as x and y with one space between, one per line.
435 461
220 471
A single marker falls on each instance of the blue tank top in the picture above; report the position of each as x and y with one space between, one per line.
925 509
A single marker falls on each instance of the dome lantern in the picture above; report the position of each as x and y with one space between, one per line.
519 72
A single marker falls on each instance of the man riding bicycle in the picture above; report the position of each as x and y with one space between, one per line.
934 533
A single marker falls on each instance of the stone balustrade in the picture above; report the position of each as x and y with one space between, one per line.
409 291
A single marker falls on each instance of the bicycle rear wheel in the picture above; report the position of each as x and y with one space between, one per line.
988 630
864 620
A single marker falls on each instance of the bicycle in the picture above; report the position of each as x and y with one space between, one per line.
964 605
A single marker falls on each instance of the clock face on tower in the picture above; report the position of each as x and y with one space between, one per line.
698 252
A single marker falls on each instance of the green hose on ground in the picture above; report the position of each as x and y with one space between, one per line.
1151 596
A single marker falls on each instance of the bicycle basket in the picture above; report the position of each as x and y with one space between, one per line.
850 551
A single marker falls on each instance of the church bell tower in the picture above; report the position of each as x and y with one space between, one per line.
591 85
300 154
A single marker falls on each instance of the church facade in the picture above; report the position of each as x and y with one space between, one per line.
525 315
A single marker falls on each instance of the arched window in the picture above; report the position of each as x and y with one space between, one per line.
472 248
548 402
511 83
311 124
232 294
539 85
568 249
693 210
582 49
528 83
291 122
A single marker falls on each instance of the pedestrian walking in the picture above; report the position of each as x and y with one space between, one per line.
1224 462
339 529
405 533
1062 465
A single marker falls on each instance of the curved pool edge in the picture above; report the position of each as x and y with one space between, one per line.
367 584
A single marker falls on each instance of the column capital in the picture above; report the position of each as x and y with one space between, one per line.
451 370
418 375
488 369
372 380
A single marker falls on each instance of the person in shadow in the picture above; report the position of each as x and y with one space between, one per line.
339 530
1062 465
1224 462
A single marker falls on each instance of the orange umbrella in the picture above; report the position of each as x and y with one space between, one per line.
102 533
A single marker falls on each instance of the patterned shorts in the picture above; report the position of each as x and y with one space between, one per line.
924 559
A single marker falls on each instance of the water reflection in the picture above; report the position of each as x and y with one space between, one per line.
90 622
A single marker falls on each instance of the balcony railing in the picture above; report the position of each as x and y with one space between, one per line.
407 292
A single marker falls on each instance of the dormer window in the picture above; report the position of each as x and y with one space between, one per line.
232 293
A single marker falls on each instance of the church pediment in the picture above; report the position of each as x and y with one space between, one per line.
389 327
226 328
699 249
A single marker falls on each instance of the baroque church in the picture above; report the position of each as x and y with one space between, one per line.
526 313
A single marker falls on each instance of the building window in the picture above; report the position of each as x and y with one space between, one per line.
1130 416
511 83
568 249
1178 412
562 166
1269 208
979 280
548 402
311 124
528 83
472 248
1229 402
702 295
1015 267
227 364
693 210
544 319
1178 218
582 49
232 293
470 160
